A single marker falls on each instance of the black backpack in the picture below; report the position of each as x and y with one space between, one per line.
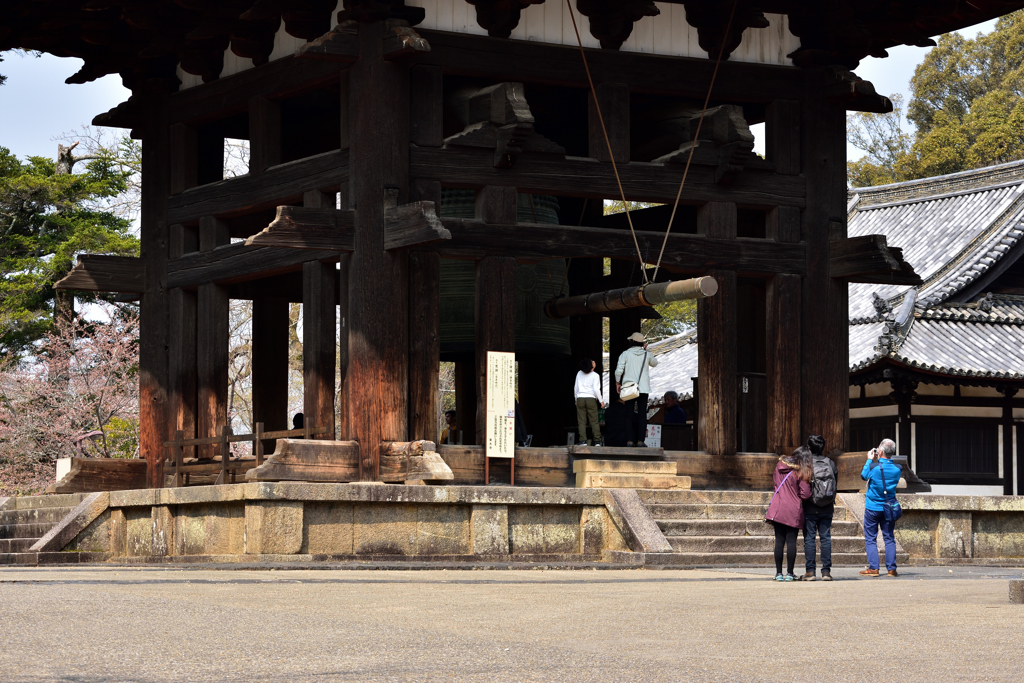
823 488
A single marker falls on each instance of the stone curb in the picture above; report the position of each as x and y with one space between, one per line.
73 524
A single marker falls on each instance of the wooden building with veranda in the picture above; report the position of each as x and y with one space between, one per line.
364 116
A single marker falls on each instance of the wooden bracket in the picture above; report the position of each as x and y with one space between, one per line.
410 224
300 227
869 259
725 140
342 44
102 273
499 118
856 94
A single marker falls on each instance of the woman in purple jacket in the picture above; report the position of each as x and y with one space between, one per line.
792 478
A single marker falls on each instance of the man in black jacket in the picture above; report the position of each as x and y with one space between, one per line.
819 509
617 424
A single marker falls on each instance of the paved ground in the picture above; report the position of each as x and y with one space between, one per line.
159 624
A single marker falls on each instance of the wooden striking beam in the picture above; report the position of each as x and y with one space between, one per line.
472 239
586 177
300 227
237 263
869 259
275 186
101 273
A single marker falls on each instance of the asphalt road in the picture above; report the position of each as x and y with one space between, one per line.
165 624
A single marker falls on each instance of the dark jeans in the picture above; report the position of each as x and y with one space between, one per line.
638 406
818 525
785 536
873 521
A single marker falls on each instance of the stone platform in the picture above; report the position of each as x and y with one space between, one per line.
627 474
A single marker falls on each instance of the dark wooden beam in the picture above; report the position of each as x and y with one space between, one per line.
302 227
424 344
184 158
412 224
237 263
716 337
264 134
529 61
782 136
472 239
495 324
101 273
154 372
181 343
376 384
338 45
278 185
868 258
613 99
586 177
319 334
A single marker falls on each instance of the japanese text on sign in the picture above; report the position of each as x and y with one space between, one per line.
501 396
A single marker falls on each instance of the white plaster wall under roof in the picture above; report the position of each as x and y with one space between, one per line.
549 22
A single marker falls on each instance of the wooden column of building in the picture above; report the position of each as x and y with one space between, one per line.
1007 454
716 343
376 386
824 343
270 365
264 134
181 343
621 324
319 332
782 357
425 130
614 101
154 371
495 307
212 343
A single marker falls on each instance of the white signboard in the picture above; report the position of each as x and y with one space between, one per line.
653 439
501 406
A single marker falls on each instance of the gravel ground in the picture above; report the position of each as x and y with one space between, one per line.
96 624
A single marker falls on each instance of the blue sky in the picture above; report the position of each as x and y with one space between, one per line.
36 105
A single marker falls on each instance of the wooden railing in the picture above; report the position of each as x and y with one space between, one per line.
225 439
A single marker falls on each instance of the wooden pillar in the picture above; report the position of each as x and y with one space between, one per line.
264 134
181 343
824 344
782 132
782 357
903 390
495 323
154 374
614 101
212 343
1007 454
270 365
184 159
319 345
376 386
424 344
716 339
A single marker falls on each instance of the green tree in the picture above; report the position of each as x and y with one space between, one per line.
966 107
48 215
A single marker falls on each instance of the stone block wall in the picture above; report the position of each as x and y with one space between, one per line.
280 521
984 529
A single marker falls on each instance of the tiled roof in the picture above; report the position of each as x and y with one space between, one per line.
677 366
952 229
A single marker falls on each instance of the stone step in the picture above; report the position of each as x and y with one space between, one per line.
624 467
58 500
598 480
19 558
34 515
754 544
728 527
16 545
24 530
766 559
720 511
729 497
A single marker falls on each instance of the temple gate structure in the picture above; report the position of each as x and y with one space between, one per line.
361 114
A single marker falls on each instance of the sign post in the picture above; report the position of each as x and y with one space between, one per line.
501 412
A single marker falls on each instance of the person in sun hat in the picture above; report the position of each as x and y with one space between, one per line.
634 368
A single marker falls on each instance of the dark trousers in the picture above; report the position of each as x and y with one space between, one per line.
638 407
820 525
873 521
785 536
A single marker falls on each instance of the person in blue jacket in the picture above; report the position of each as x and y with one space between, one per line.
880 465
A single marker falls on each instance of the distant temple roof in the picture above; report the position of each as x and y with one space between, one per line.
964 234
